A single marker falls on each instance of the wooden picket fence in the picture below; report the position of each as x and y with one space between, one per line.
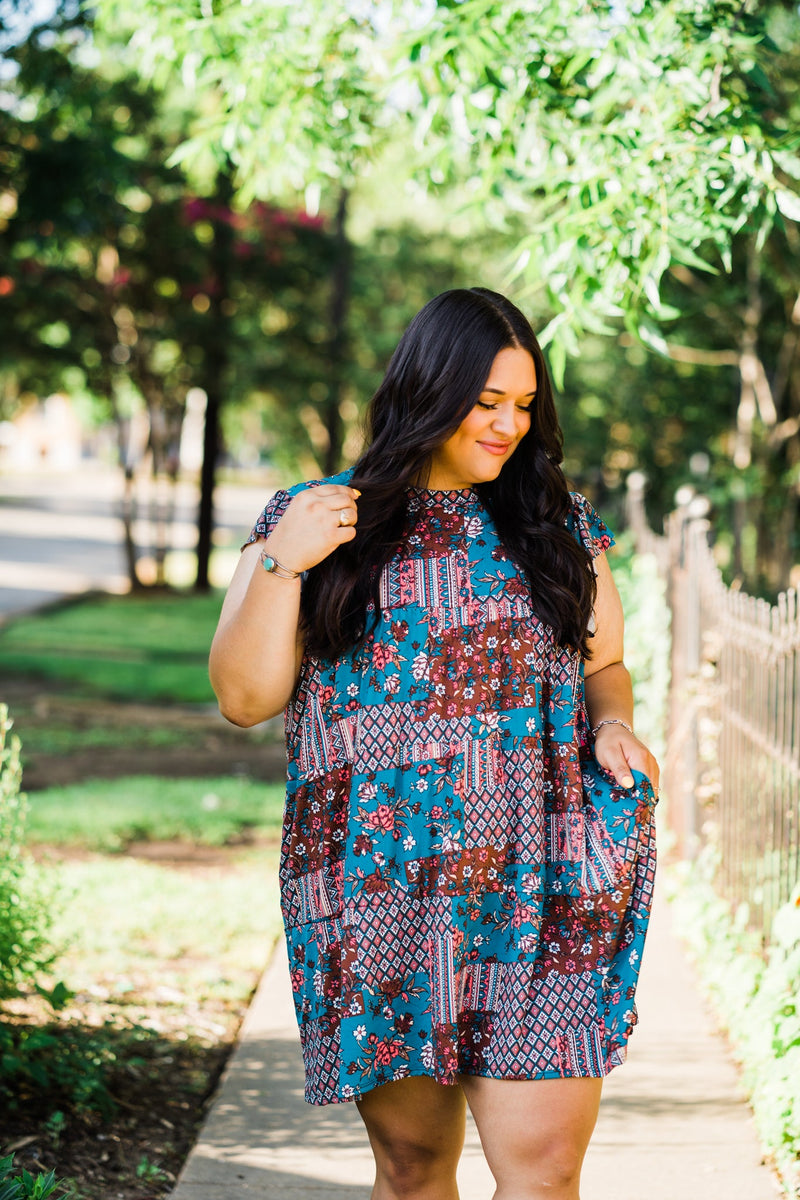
732 771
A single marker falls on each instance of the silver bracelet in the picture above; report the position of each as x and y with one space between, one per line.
273 567
611 721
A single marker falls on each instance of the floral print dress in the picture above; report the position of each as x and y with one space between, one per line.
464 888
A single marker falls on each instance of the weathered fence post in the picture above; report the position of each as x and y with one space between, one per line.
732 770
687 526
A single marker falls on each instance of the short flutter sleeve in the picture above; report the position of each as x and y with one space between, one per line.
277 506
273 511
587 526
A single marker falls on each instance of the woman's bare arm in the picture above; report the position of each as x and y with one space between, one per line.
257 649
609 694
256 652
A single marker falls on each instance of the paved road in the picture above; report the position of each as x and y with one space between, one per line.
61 534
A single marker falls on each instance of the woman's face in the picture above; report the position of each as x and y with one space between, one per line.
491 432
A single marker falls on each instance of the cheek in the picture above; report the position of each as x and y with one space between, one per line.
474 426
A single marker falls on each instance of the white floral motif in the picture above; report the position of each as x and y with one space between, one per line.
419 667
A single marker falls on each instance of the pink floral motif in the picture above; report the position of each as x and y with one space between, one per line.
383 818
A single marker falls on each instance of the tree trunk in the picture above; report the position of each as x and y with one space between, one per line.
340 300
128 510
216 361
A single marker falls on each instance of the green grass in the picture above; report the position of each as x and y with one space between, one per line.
105 815
138 932
64 737
151 647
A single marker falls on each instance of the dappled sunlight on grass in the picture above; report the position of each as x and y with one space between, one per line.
107 814
152 939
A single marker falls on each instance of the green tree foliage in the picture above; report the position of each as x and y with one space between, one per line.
638 164
118 279
639 161
630 136
633 137
308 77
652 148
127 282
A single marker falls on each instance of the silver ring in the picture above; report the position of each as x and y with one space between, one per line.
344 516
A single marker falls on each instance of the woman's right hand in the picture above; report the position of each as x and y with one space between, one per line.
317 520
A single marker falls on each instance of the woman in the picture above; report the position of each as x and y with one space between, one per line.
467 856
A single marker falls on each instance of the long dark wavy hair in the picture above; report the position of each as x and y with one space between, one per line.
434 378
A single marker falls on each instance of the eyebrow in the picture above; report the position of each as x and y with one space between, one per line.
500 392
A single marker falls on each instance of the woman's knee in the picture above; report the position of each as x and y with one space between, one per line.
410 1164
557 1164
416 1133
535 1132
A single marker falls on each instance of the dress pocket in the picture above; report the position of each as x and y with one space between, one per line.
618 819
323 744
319 894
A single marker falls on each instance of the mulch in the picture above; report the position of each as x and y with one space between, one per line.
136 1154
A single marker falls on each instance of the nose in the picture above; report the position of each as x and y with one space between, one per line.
504 422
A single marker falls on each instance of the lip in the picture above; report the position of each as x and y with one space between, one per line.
497 448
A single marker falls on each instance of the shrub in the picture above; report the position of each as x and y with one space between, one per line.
42 1067
24 1186
49 1064
26 903
756 994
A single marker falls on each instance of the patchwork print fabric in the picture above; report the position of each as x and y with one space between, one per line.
464 888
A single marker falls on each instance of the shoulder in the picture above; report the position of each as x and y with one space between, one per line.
280 500
342 477
587 525
282 496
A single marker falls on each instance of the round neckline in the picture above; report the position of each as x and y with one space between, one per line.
454 495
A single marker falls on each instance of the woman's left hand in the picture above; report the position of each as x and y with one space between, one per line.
620 752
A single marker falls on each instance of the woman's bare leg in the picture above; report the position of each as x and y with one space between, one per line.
534 1133
416 1130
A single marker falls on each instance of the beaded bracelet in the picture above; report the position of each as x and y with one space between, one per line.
611 721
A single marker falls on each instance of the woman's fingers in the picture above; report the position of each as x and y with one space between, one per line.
335 499
621 753
316 522
343 508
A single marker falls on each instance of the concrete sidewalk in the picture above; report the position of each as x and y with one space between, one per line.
672 1124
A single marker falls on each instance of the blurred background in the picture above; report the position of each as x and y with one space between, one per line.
216 219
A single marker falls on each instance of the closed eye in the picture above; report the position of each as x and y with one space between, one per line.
526 408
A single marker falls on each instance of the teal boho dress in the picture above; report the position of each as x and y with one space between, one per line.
464 889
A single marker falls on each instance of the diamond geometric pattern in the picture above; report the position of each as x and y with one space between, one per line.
391 935
319 1040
